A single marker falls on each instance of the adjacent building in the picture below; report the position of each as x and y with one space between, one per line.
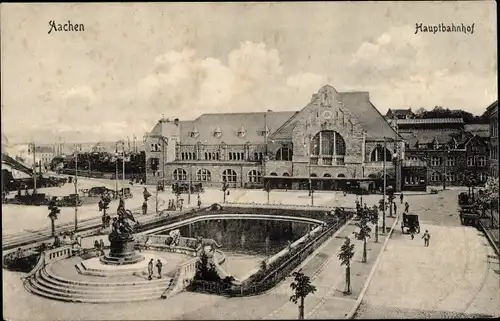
492 111
399 114
336 137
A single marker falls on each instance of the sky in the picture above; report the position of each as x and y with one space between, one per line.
136 63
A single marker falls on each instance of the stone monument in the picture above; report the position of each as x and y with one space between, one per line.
121 238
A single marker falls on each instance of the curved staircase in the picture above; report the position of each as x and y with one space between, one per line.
46 284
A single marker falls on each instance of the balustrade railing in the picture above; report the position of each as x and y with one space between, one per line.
274 276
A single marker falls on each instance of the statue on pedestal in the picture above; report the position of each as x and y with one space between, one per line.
122 247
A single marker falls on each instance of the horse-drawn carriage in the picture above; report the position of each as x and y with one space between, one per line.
99 191
410 223
69 200
160 187
28 199
125 193
184 188
469 210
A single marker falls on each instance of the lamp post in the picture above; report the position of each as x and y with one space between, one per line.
123 169
190 183
33 149
116 170
447 153
77 149
385 183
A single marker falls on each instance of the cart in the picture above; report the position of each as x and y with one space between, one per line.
410 223
469 215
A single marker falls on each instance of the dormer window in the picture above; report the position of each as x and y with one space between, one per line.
217 132
194 133
265 132
242 133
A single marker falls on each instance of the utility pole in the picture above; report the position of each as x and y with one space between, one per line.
385 183
123 170
33 148
76 186
190 183
445 168
116 171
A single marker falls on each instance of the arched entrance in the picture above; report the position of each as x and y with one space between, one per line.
328 183
341 184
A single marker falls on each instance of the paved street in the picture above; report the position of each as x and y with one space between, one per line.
457 276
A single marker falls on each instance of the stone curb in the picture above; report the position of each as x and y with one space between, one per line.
490 239
353 311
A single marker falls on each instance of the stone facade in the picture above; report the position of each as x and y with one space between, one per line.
335 135
493 124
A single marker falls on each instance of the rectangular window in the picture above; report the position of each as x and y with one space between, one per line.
435 161
470 161
450 161
481 161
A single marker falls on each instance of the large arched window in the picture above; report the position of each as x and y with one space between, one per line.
340 175
329 147
179 174
203 175
284 154
254 176
377 154
273 174
286 174
327 175
229 175
313 175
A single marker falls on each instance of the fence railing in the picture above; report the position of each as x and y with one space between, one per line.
274 275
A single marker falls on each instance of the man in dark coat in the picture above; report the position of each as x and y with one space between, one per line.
150 269
159 266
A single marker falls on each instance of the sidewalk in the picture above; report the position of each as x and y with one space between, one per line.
329 302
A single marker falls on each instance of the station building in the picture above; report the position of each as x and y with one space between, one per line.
336 138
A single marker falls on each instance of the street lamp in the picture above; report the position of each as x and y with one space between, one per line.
32 147
77 148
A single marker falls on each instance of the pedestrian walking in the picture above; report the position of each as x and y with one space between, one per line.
426 238
412 233
97 247
158 266
407 207
144 208
150 269
101 245
395 208
199 201
401 197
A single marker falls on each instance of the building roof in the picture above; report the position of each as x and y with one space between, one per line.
482 130
230 125
359 106
399 112
441 137
492 106
15 164
426 121
45 149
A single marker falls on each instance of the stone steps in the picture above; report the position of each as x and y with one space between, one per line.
103 283
47 280
50 286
